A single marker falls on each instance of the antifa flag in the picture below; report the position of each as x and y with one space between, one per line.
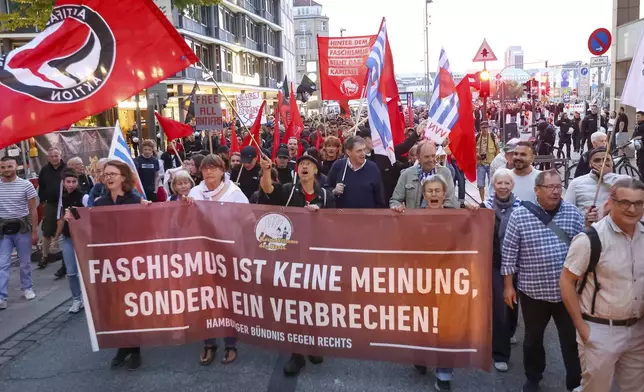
305 89
92 54
189 104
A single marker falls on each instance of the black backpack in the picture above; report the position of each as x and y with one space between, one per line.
595 252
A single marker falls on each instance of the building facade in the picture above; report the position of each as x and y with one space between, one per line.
514 56
309 23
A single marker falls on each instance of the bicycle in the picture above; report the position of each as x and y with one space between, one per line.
622 164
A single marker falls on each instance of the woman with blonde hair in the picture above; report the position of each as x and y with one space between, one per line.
180 185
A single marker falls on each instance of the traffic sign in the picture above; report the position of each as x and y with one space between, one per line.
599 61
484 53
584 82
599 42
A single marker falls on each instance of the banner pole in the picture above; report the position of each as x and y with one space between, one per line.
362 101
241 120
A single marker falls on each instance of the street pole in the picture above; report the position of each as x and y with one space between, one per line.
426 53
600 98
485 98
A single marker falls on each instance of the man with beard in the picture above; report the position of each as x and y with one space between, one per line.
235 160
597 140
191 144
18 210
292 148
49 194
524 174
247 175
282 164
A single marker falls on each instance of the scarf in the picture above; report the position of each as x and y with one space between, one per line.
422 176
503 210
210 195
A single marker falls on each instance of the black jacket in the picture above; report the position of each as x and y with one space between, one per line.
74 199
564 126
49 183
85 183
281 193
127 198
248 179
390 173
583 167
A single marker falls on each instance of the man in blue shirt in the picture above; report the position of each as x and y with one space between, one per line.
355 181
147 165
536 253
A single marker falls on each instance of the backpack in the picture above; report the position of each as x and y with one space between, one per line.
595 252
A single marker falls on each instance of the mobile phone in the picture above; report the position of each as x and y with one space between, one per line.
74 212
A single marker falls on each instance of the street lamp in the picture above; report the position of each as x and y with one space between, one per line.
427 2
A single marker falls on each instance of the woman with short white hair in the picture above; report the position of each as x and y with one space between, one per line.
504 319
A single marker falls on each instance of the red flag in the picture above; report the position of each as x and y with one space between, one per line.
284 110
276 132
93 54
296 123
173 129
345 110
234 143
397 121
222 141
462 139
254 131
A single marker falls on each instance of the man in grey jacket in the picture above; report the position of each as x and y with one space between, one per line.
409 187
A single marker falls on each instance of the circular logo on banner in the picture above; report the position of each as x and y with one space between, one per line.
349 87
68 62
273 232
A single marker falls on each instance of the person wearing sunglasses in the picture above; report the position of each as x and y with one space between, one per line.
610 337
581 190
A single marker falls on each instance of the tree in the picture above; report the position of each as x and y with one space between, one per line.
511 90
35 13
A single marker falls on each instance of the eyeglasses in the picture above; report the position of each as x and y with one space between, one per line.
626 204
111 175
211 168
434 191
551 188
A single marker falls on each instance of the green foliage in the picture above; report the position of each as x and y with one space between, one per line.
30 13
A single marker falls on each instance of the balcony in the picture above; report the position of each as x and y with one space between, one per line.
269 83
225 35
271 50
250 44
247 5
268 16
225 76
186 23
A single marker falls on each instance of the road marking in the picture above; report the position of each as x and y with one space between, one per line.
161 240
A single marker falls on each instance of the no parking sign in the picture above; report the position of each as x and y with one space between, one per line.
599 41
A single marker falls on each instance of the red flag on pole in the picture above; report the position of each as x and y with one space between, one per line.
345 109
234 143
91 55
462 139
173 129
222 142
254 130
296 124
276 132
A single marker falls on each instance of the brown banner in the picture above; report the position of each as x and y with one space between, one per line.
368 284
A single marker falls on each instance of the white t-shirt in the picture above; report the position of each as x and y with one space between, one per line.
15 196
232 195
524 186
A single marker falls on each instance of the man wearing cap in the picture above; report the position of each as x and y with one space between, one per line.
504 160
247 175
283 165
486 150
581 190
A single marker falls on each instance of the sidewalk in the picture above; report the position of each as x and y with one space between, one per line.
20 313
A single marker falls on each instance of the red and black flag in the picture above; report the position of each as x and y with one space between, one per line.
189 104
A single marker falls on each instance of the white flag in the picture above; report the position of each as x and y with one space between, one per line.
633 94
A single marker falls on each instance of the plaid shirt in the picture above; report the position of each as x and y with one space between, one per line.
535 253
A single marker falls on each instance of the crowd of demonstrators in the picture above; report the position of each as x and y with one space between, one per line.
18 227
610 337
597 140
487 147
534 249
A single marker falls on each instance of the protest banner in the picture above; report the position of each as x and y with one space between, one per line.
208 113
289 279
248 106
343 69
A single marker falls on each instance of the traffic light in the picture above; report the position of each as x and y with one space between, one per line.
484 81
529 86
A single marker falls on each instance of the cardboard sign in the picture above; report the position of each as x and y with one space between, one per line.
208 112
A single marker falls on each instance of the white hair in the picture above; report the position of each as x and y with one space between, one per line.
502 172
101 162
595 136
74 161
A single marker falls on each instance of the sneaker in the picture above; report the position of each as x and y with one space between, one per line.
77 305
443 385
513 340
530 386
3 304
501 366
29 294
294 365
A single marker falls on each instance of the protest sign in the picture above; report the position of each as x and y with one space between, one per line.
208 112
288 279
248 105
343 69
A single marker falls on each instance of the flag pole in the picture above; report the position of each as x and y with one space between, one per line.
362 100
174 147
241 120
601 170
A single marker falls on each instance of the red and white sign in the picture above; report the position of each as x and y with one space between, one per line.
484 53
248 106
208 112
84 62
436 132
343 69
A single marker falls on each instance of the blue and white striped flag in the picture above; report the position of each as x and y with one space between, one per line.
443 106
383 142
120 151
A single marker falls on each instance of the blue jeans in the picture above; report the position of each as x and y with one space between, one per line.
444 374
69 258
22 243
481 172
229 342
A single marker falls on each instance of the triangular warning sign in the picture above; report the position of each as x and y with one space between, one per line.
484 53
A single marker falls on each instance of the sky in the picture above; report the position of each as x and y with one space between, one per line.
553 30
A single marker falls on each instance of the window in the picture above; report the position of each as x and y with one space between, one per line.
302 44
302 59
228 60
205 57
322 26
302 26
229 22
218 57
193 12
251 30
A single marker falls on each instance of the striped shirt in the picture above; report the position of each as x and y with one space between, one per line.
15 196
535 253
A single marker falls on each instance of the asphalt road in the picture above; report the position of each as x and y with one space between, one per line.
63 361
